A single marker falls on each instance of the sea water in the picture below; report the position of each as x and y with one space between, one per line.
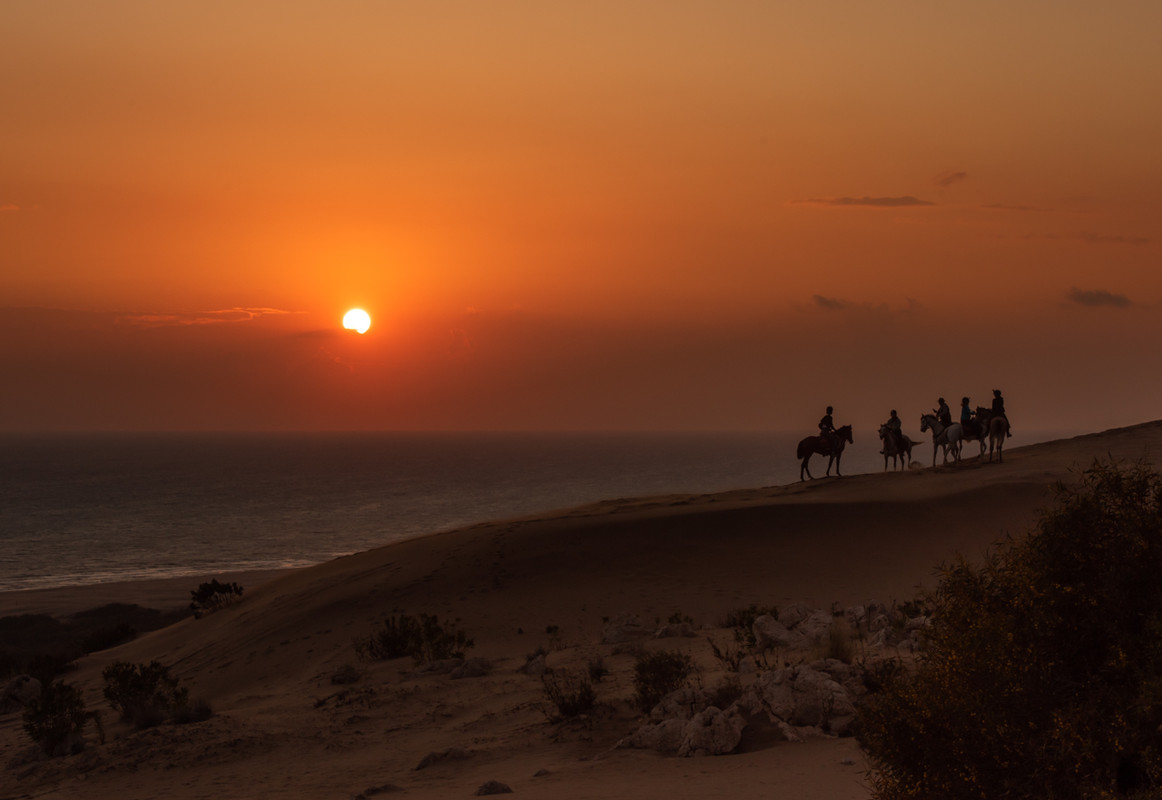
84 509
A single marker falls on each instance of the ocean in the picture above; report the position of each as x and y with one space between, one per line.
84 509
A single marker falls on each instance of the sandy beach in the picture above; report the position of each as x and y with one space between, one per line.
282 728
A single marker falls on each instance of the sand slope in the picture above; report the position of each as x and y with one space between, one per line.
282 729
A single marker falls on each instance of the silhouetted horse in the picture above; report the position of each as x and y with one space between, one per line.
998 432
819 444
898 449
977 430
946 437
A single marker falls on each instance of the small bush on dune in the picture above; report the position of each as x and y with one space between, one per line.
211 596
424 638
56 719
571 696
1041 672
655 675
145 694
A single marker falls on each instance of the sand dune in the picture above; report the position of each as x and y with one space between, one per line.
283 729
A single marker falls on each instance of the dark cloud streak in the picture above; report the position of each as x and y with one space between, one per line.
946 179
1098 298
880 202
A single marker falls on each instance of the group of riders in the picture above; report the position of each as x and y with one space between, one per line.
973 426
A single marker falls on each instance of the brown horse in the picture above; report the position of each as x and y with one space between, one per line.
819 444
977 430
998 432
900 454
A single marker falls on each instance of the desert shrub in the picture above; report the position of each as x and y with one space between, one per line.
742 621
211 596
56 719
145 694
570 695
1041 672
731 658
424 638
655 675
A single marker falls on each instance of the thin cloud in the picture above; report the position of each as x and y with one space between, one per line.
828 303
1008 207
880 202
200 318
9 207
1098 298
946 179
1101 238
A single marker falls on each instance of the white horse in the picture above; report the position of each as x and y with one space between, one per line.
899 451
998 432
948 438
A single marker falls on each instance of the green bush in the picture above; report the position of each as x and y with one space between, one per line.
211 596
56 719
655 675
424 638
571 696
145 694
1041 673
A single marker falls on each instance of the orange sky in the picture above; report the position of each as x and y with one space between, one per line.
600 215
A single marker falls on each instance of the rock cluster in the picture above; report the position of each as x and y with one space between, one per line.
811 698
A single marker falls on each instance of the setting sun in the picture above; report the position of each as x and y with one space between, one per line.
357 320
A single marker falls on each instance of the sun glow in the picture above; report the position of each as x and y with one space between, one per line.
357 320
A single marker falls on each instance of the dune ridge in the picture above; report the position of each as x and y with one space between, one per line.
282 729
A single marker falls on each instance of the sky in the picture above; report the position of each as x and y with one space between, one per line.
577 216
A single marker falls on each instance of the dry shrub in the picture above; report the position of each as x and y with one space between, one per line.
1041 673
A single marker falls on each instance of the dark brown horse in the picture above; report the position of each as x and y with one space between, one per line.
819 444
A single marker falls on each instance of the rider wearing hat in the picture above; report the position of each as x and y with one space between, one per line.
999 410
895 430
827 429
942 413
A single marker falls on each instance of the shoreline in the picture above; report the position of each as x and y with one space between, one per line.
162 594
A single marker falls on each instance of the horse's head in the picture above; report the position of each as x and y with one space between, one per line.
845 433
926 421
883 431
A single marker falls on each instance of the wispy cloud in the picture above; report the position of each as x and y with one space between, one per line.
1097 298
946 179
9 207
1010 207
828 303
881 202
157 320
1102 238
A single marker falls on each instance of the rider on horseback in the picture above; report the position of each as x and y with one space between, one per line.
967 421
896 431
827 431
942 413
999 410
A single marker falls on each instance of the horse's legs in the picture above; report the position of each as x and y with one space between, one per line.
804 468
838 474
